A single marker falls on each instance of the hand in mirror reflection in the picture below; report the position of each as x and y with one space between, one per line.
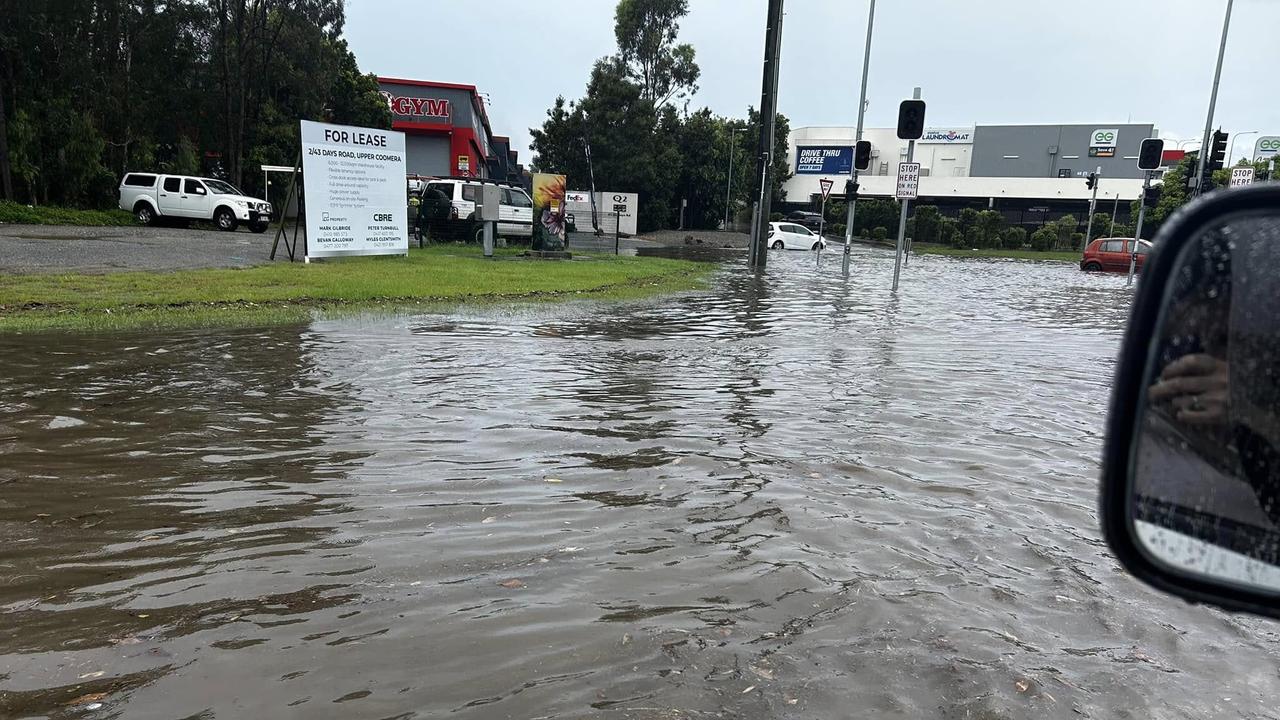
1197 387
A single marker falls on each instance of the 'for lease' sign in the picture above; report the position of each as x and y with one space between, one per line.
353 183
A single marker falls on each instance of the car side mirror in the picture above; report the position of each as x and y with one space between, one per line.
1190 495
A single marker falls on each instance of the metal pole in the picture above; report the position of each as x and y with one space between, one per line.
488 239
728 185
862 111
822 224
1093 203
902 219
1137 233
1205 145
768 115
1231 150
617 229
1115 209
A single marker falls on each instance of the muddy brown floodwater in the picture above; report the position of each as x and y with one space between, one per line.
789 496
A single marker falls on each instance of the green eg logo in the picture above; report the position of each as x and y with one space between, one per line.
1269 144
1104 137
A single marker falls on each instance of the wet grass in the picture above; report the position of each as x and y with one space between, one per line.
17 213
1054 255
293 292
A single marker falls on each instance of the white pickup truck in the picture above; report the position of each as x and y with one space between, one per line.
150 197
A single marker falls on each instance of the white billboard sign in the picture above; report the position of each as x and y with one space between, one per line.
1241 176
1266 147
1104 137
947 136
354 189
908 181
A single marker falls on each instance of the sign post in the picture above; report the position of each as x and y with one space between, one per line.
1241 176
825 184
353 182
852 184
1093 203
1137 231
910 128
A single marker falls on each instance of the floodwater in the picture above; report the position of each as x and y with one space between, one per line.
789 496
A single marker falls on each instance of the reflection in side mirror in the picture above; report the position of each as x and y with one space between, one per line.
1191 497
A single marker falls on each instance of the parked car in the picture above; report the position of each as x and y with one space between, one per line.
811 220
151 197
789 236
1112 255
515 211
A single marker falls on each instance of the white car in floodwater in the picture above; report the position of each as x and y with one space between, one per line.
790 236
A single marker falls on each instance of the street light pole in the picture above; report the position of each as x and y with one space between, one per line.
1202 158
862 112
728 186
1231 151
1093 202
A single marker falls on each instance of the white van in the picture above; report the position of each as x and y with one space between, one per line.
151 196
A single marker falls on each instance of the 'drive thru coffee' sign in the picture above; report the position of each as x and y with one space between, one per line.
354 191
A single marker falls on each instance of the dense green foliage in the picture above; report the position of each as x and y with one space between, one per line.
91 89
642 142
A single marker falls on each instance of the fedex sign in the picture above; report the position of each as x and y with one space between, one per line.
417 107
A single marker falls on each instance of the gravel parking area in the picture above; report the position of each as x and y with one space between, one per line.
54 248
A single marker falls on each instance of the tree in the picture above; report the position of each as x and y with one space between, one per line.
1044 238
989 224
94 88
646 32
878 212
1101 226
927 223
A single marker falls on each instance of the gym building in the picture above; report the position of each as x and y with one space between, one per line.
1033 174
447 130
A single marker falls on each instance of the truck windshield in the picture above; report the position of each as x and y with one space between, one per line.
222 188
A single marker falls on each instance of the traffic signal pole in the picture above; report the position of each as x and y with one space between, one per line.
862 112
1137 232
1213 101
759 256
1093 203
902 218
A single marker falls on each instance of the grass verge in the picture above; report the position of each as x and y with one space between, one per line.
293 292
17 213
1054 255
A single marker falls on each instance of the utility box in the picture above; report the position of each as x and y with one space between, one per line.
488 199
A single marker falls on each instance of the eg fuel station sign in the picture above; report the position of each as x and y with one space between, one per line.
353 191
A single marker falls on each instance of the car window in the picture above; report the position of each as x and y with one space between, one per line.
469 193
222 188
518 198
194 187
172 184
1113 246
799 230
445 189
1144 248
139 180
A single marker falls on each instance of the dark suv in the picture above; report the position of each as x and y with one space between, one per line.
811 220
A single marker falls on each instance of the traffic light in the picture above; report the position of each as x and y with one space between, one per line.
1217 152
1091 181
1151 196
911 120
862 155
850 190
1151 155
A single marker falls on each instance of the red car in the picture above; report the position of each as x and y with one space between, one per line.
1112 255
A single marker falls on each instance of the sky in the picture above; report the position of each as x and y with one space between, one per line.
977 61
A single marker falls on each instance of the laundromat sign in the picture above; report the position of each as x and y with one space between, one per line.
418 108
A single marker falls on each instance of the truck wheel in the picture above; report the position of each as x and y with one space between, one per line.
477 234
225 219
144 214
259 227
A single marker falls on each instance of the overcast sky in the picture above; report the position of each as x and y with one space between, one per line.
978 61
